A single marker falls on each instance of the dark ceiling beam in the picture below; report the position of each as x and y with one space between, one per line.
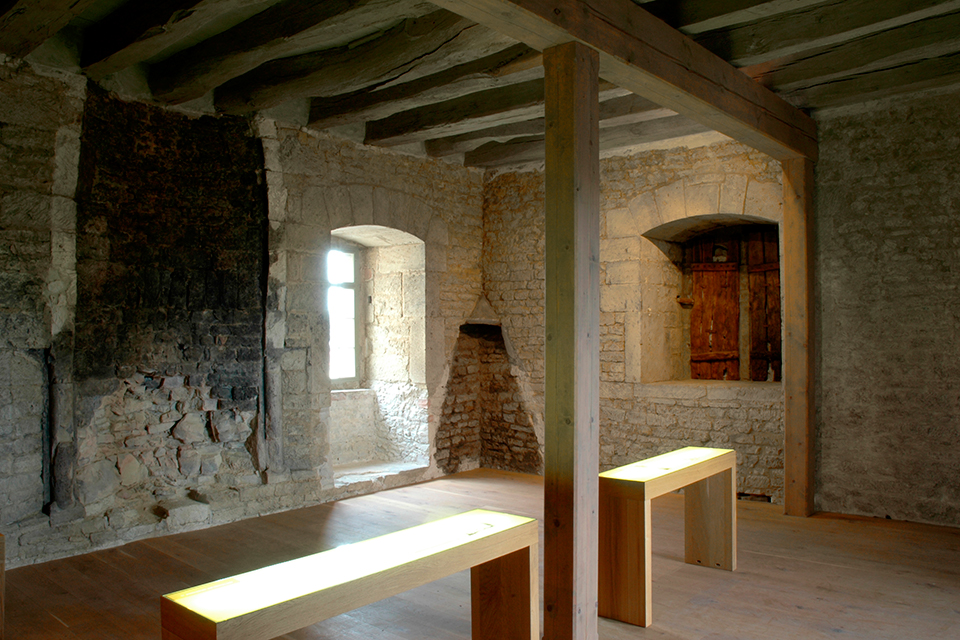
132 24
413 48
680 15
617 111
908 43
530 149
642 54
513 64
25 24
277 32
515 103
825 24
928 73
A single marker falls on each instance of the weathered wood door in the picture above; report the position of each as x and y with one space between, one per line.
715 317
763 267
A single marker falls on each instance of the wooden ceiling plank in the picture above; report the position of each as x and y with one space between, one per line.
514 103
270 34
618 111
27 23
826 24
412 48
489 72
641 53
136 32
929 73
831 63
528 149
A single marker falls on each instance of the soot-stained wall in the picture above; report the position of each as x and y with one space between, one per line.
170 261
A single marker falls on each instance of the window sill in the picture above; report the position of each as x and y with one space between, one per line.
719 390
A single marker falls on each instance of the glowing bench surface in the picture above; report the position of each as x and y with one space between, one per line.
281 598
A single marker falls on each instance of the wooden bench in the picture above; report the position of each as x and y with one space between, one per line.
709 479
500 550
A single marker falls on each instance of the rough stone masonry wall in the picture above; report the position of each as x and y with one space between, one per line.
40 116
318 183
887 241
637 419
485 421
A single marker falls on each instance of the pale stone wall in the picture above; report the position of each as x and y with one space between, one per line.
887 238
642 329
318 183
355 426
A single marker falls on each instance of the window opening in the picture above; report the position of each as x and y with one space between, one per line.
342 312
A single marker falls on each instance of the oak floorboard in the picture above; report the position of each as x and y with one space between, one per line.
797 578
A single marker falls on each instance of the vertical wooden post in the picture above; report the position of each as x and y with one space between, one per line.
3 584
572 393
505 597
798 353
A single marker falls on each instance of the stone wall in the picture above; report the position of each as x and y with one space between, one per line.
40 120
642 413
887 235
317 184
485 421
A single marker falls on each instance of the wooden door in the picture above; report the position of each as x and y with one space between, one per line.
763 267
715 317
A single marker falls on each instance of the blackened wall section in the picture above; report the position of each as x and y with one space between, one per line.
170 248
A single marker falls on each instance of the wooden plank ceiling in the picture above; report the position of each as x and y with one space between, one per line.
411 73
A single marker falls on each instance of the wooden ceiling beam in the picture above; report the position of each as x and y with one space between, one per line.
411 49
25 24
277 32
137 32
618 111
641 53
516 63
877 52
514 103
928 73
827 24
528 149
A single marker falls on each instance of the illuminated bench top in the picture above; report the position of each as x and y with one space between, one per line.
671 471
347 577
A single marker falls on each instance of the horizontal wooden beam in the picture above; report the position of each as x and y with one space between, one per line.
825 24
514 103
135 32
641 53
287 28
411 49
528 149
516 63
928 73
25 24
907 43
618 111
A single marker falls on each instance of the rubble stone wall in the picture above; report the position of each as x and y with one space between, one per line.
646 407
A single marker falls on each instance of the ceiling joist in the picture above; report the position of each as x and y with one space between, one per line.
642 54
26 24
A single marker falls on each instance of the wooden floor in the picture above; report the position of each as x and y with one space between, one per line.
822 577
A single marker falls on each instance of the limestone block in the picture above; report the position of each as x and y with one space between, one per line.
414 302
619 297
733 193
625 272
645 212
361 204
294 360
633 341
764 200
418 368
401 258
189 461
191 428
313 207
132 471
671 202
702 199
621 223
619 249
183 512
98 481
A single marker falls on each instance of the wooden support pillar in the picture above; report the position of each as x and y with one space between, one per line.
572 395
798 347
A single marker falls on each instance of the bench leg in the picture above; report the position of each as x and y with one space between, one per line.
625 553
505 597
710 522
